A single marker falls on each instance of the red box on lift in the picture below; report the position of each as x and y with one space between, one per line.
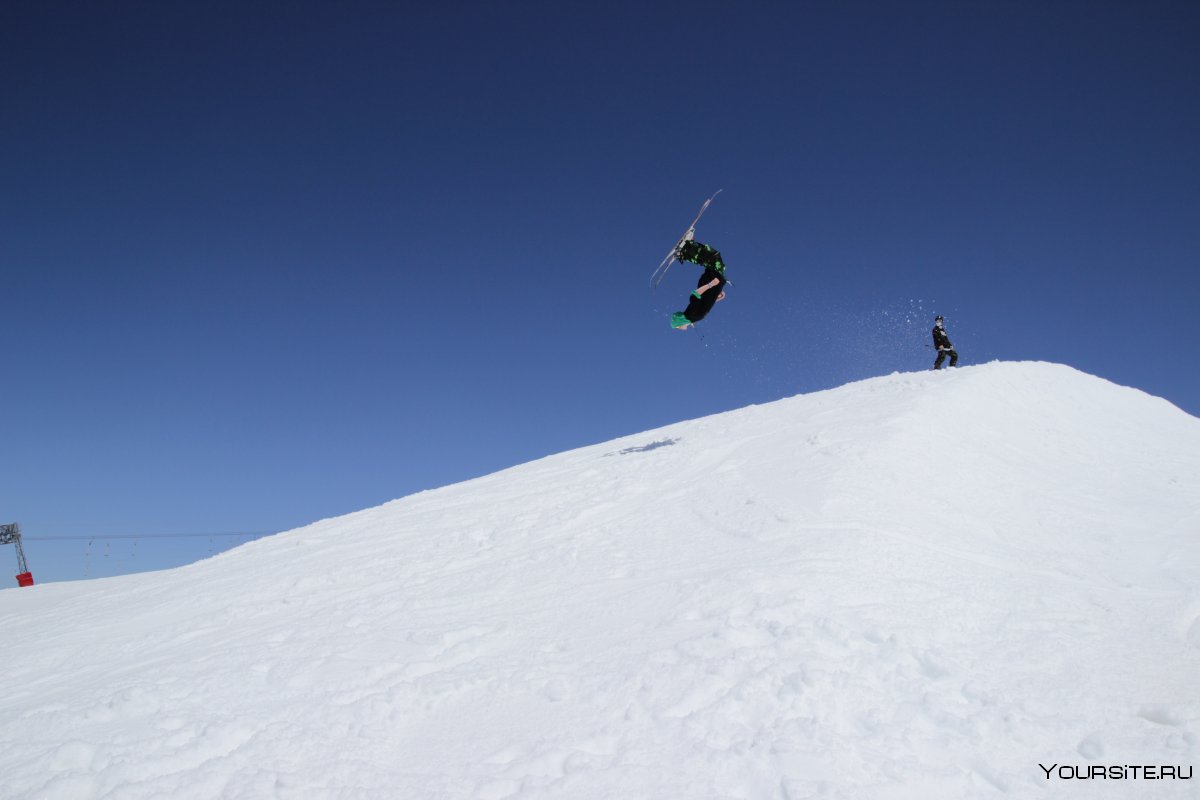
25 579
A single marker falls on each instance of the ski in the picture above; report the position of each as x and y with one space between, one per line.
659 273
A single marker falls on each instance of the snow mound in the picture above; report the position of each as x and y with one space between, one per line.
917 586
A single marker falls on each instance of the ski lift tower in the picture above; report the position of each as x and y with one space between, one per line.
11 534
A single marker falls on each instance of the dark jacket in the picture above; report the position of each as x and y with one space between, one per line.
940 340
698 307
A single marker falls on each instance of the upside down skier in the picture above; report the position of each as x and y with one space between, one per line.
709 289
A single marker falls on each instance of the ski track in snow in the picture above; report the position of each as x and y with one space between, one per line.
916 586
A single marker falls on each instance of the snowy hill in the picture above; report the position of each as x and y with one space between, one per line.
917 586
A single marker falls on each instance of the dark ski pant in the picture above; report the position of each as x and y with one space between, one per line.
942 357
698 307
702 254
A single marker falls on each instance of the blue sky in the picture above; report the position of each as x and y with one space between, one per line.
263 264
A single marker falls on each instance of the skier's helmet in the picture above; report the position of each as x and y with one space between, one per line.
938 318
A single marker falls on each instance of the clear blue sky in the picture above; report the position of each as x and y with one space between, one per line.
266 263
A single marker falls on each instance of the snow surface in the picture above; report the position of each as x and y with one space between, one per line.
917 586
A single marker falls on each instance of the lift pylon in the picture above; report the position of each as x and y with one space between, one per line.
11 534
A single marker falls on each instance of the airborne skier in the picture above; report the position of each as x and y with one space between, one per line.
709 289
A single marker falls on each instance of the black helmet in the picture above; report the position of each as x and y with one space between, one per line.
938 318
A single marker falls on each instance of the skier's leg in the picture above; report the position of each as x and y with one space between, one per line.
699 253
941 357
708 257
953 357
687 251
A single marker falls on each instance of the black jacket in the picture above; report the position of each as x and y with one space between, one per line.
940 339
698 307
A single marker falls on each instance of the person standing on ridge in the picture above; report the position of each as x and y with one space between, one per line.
709 289
941 340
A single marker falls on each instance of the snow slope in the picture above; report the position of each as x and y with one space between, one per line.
917 586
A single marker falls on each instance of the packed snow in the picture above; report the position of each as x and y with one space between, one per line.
972 583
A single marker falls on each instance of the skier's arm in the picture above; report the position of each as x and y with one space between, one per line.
702 289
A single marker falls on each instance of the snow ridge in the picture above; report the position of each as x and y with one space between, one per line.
916 586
